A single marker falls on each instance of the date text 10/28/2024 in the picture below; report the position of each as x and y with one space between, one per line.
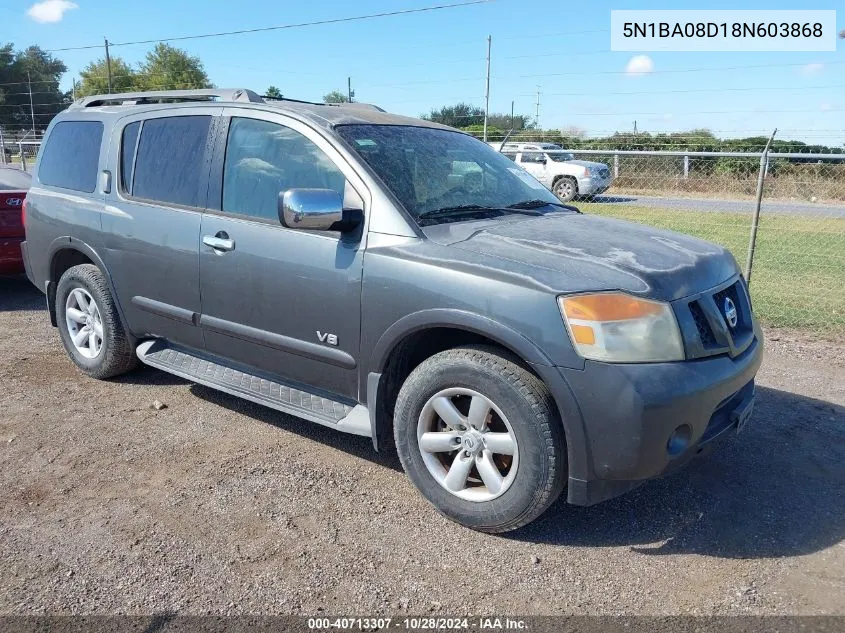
418 624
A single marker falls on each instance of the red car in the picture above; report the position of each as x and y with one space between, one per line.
14 184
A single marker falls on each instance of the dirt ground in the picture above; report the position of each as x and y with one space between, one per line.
214 505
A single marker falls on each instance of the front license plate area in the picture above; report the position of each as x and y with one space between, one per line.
743 413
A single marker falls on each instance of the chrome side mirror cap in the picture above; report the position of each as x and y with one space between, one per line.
313 209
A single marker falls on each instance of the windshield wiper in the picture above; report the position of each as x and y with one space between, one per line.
536 204
469 209
460 209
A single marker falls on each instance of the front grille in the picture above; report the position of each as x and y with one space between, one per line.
706 327
704 331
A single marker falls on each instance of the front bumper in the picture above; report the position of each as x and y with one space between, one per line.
11 259
628 413
593 185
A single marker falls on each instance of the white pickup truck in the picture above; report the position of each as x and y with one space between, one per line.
566 177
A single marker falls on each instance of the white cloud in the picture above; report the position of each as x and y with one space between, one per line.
50 11
826 106
812 69
639 65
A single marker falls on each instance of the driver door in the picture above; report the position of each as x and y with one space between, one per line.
535 164
283 301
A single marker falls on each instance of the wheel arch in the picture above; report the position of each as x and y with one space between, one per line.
561 176
420 335
458 320
66 252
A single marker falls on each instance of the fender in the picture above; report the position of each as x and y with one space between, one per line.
459 319
570 415
71 243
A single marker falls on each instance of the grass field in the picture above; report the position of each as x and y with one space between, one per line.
798 278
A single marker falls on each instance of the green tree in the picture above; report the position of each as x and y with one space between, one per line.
169 68
18 71
95 78
458 115
273 92
506 122
335 96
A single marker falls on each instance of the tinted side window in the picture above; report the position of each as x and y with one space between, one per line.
127 155
263 159
171 160
510 155
532 157
72 155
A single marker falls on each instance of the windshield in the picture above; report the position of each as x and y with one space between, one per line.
431 170
560 157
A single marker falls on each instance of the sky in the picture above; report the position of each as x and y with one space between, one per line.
412 63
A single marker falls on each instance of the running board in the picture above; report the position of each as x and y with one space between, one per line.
211 372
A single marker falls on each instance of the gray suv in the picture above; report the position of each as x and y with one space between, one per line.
390 278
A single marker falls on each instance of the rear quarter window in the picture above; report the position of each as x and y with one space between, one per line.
72 155
171 160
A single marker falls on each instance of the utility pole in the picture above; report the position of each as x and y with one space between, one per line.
108 62
635 127
511 114
73 90
349 88
31 107
537 115
487 92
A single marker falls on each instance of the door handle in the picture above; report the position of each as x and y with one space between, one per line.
220 242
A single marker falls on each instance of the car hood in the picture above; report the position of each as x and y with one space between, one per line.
581 163
570 252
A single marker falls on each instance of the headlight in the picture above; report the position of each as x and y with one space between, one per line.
619 328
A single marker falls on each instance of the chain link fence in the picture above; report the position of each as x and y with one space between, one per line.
20 153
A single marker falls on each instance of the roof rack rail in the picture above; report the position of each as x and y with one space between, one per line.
154 96
359 106
279 99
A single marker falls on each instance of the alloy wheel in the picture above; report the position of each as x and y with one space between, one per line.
84 323
467 444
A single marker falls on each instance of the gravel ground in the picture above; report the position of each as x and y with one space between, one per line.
213 505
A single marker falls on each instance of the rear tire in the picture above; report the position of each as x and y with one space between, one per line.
90 326
514 460
565 188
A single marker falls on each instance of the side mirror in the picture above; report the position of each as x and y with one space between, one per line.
315 209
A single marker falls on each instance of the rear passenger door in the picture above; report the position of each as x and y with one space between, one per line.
151 224
283 301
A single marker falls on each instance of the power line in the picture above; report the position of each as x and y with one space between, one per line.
280 27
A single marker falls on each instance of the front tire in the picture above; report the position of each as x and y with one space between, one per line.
89 325
479 437
565 188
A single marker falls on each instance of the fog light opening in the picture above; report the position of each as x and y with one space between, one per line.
679 440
